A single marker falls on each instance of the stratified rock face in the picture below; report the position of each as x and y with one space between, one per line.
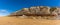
38 10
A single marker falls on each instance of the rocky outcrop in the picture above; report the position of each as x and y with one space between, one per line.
37 11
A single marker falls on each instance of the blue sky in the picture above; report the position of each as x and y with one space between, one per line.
13 5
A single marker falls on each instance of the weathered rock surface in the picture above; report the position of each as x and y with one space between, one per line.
38 11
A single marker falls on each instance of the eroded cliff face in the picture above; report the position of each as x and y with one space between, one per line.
42 11
38 10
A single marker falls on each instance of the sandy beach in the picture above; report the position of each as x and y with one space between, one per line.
18 21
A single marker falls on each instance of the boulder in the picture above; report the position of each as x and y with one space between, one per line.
54 11
44 10
58 11
32 10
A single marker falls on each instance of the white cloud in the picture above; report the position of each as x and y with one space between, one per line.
3 12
